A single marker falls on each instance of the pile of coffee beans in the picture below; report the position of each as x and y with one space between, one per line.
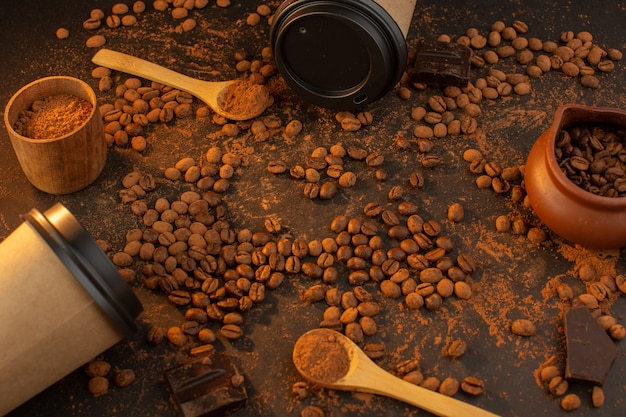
325 172
389 253
457 111
192 254
215 273
593 157
136 106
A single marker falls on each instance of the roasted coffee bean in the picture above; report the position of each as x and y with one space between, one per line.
395 193
368 228
466 262
176 336
361 251
372 209
430 275
374 350
597 396
431 383
424 241
449 386
398 255
398 232
196 314
456 349
547 373
523 327
368 326
191 327
354 332
276 167
620 282
390 289
409 246
558 386
445 287
617 331
435 254
358 277
431 161
97 368
231 331
390 266
456 213
314 294
407 208
433 301
124 377
347 179
368 308
462 290
98 386
406 366
374 159
417 261
473 386
599 290
416 179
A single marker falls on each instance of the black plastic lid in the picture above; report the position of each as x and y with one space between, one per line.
338 54
90 266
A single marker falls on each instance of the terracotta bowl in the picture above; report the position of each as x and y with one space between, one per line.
577 215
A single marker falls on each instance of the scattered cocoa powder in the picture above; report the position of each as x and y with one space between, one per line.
53 117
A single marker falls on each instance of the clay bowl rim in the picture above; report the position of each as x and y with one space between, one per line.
562 121
92 98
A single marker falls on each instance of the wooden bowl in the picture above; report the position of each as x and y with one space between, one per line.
65 164
575 214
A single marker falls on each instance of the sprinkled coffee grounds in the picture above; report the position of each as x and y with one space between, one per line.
243 97
53 117
321 356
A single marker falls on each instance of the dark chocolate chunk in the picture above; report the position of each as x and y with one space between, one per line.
590 350
207 386
442 64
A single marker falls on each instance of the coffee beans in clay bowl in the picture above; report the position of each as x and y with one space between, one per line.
575 176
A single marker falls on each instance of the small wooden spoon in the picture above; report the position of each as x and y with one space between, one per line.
327 348
254 98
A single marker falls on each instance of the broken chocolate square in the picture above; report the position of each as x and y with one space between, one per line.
207 386
590 350
441 64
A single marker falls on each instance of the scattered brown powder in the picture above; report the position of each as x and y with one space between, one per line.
321 356
603 261
53 117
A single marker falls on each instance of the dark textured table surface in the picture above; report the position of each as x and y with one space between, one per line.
512 276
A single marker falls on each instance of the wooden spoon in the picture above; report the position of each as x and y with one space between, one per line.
247 102
318 353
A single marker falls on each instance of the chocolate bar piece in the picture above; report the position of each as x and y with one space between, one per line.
441 64
590 350
207 386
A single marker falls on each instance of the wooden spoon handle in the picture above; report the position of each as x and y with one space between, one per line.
384 383
136 66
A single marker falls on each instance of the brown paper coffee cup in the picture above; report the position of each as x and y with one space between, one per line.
54 319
